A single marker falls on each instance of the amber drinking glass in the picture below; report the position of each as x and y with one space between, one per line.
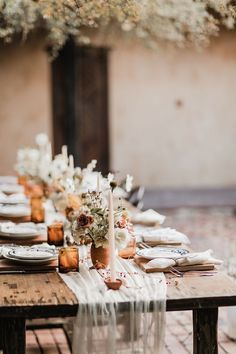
68 259
22 180
56 234
37 210
130 250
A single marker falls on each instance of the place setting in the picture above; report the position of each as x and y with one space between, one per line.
10 188
31 259
159 235
23 232
16 198
14 211
175 260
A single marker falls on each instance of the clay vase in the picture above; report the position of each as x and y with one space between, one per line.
99 257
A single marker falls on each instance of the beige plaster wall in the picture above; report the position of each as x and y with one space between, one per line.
24 98
174 115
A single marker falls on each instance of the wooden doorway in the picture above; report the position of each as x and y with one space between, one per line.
80 104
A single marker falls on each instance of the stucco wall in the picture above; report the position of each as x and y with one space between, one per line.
24 98
174 115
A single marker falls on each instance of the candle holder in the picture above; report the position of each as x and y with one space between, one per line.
113 285
56 234
37 210
68 259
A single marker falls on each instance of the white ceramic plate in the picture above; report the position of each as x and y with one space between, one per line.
162 252
11 188
14 211
30 254
22 230
22 235
14 199
29 261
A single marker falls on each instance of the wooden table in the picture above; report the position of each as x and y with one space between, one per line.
27 296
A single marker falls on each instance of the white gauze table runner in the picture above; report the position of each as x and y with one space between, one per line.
105 323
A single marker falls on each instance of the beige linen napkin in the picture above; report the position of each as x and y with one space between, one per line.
148 217
198 258
165 234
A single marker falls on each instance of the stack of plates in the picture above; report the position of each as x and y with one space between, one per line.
16 198
14 211
11 188
11 230
162 252
29 255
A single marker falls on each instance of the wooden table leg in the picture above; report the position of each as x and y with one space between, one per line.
14 336
1 333
205 323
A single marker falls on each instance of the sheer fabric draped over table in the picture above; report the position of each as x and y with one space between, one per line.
102 325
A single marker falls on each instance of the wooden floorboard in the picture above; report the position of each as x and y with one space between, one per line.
46 341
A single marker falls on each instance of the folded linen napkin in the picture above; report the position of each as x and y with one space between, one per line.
161 235
148 217
198 258
161 263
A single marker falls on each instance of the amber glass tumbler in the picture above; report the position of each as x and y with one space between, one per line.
68 259
130 250
56 234
37 210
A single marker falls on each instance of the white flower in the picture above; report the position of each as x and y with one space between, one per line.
129 183
32 154
78 172
58 167
41 139
91 166
68 185
110 177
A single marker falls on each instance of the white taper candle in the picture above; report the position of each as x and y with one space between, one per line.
111 231
98 182
50 151
64 152
71 162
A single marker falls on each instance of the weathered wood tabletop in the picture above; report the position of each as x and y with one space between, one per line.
24 296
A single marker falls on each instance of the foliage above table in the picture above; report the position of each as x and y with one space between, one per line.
181 22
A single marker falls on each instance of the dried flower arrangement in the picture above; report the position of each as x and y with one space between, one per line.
91 222
177 21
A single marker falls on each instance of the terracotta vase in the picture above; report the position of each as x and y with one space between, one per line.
99 257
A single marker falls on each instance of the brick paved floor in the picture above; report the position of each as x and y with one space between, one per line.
213 228
207 228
